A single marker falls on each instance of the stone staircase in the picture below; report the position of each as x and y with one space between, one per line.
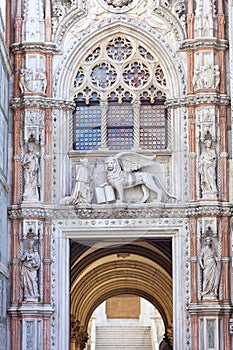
123 338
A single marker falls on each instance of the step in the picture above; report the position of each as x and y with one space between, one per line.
123 338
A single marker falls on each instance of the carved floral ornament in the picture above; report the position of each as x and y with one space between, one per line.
118 5
118 68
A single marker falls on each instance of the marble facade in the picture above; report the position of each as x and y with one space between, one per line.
89 223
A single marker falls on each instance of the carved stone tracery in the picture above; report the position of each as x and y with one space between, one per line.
117 66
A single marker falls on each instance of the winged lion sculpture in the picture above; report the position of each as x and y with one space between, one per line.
128 169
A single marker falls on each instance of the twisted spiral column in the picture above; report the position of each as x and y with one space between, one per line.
104 115
136 124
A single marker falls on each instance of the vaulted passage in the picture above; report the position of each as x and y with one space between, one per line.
102 270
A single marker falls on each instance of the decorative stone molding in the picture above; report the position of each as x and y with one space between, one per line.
210 43
207 98
173 23
65 14
197 99
32 310
44 47
209 211
119 212
171 14
118 6
213 308
41 102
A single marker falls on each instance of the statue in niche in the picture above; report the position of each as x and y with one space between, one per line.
207 169
30 264
83 189
31 168
32 81
210 265
122 174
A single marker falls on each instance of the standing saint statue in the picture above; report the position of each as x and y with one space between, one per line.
207 169
30 263
210 264
31 174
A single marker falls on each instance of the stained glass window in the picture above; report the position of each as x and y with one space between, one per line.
120 126
87 120
153 126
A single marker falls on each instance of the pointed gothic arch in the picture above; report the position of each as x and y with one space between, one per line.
67 66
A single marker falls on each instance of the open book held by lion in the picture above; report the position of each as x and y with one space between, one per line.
128 169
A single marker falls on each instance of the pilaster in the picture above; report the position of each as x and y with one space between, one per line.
30 309
206 58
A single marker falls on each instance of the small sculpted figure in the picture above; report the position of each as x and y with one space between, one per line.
207 169
30 263
31 174
83 191
210 264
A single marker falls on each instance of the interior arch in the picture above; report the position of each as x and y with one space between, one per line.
126 272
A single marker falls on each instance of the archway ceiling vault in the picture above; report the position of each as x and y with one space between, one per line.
115 273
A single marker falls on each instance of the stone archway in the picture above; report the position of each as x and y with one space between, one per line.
98 273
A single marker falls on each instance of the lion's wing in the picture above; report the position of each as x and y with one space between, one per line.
132 161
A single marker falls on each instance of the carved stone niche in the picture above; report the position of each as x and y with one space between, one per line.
209 225
209 261
30 260
31 172
205 18
32 229
206 118
207 168
34 126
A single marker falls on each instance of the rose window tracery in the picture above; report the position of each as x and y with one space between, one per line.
119 49
93 55
124 83
136 74
79 78
103 75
